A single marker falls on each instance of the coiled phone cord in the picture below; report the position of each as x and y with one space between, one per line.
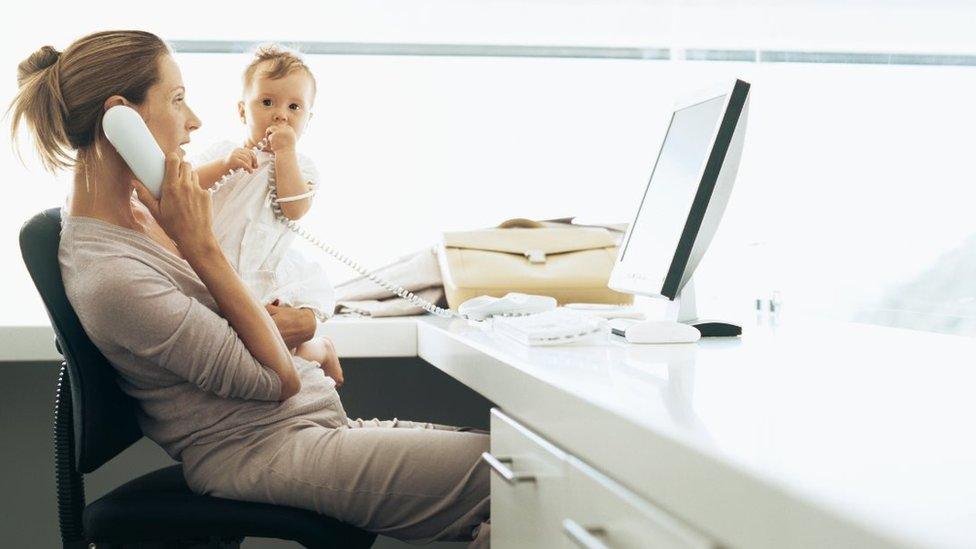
301 231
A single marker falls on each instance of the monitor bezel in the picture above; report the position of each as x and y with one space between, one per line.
628 278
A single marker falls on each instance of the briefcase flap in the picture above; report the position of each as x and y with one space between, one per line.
522 241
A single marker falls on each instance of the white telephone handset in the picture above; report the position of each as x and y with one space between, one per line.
127 132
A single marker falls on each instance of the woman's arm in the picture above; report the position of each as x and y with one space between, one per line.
295 325
251 321
184 212
132 306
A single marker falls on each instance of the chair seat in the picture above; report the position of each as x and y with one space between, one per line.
159 506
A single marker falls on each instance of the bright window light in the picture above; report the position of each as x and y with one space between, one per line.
853 198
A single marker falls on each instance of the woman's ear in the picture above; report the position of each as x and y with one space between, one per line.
115 100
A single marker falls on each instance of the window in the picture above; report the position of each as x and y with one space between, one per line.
853 198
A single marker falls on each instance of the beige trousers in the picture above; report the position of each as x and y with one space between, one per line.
417 482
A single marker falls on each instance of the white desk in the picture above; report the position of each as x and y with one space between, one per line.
354 338
819 435
827 435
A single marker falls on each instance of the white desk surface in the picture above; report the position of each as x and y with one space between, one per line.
809 435
354 337
817 435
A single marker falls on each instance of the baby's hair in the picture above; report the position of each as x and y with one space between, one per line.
281 61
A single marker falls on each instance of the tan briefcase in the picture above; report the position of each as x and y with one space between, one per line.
569 263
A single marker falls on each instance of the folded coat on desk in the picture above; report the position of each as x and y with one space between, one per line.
570 263
417 272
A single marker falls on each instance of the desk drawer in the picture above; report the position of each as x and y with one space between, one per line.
601 513
527 487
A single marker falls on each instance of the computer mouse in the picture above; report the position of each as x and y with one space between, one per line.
655 331
714 328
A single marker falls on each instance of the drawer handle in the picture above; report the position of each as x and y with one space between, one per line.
584 537
498 466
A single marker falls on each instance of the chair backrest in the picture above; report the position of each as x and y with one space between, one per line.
104 416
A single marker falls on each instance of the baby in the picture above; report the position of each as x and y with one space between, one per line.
278 93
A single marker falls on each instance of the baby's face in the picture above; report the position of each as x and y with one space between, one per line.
269 101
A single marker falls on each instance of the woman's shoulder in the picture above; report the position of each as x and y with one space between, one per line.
107 283
93 253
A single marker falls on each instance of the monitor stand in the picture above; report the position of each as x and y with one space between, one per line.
683 309
674 324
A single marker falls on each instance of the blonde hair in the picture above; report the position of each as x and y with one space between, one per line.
281 61
62 94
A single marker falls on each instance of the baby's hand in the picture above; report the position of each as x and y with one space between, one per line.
281 138
241 158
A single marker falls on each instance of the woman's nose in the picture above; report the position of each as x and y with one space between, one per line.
194 123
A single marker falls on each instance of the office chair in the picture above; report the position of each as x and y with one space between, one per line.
95 421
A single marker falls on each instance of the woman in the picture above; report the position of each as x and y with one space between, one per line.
210 366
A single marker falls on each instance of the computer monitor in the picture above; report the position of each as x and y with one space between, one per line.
685 198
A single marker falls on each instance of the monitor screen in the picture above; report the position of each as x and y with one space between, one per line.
671 190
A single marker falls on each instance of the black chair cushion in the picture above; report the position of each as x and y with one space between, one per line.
160 507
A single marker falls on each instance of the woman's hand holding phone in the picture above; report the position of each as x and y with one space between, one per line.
183 210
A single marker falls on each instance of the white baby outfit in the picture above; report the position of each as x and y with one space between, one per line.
259 246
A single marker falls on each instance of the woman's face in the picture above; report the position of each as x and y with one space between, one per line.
165 110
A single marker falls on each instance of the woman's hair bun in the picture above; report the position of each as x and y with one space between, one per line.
38 61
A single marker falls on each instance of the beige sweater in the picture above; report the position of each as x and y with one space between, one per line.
157 324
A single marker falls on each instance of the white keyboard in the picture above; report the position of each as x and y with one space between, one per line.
556 327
